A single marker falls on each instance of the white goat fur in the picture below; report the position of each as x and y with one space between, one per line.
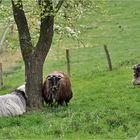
13 104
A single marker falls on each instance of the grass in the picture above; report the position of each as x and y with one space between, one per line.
6 58
105 104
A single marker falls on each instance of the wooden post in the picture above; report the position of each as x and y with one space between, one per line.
68 61
1 79
108 58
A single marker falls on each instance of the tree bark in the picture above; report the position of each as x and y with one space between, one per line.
34 81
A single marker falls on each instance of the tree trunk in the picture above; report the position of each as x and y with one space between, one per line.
34 56
34 81
1 78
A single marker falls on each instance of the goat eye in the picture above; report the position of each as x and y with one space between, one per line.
58 78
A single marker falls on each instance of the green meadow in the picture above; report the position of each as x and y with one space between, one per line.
105 104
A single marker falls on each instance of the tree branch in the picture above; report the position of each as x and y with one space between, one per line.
46 29
23 30
58 6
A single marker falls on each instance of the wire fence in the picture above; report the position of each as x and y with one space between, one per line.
95 59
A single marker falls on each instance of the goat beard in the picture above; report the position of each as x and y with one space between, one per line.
53 94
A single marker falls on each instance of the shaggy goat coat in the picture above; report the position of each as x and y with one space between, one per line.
59 90
13 104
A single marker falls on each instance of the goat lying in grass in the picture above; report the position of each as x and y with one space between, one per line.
13 104
136 80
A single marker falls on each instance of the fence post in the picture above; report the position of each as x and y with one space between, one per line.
108 58
1 79
68 61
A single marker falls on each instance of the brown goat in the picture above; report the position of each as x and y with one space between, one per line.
136 80
57 87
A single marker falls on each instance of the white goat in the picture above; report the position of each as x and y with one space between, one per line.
13 104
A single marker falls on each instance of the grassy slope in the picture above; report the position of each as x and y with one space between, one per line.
105 104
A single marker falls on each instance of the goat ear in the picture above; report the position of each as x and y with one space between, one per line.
134 67
49 77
